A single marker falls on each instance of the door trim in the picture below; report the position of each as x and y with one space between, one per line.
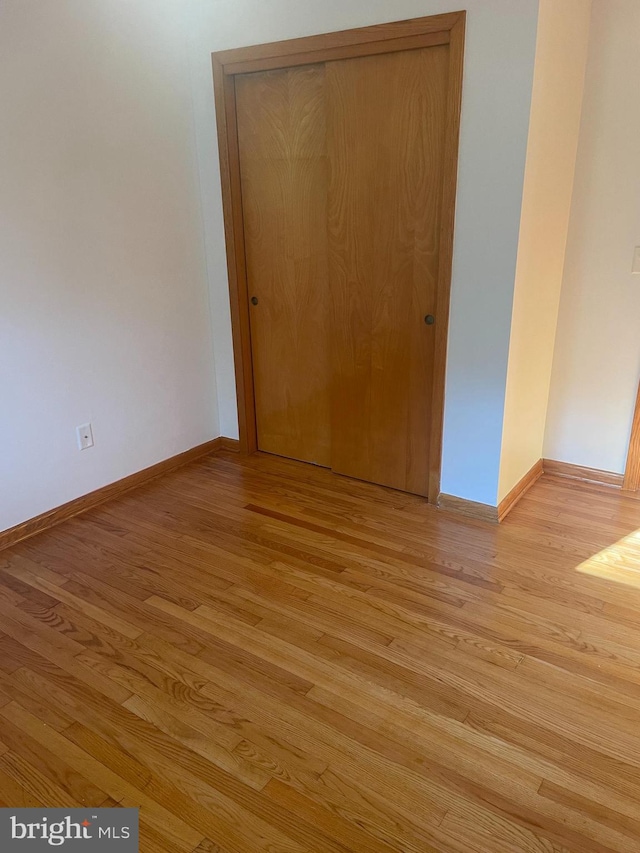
381 38
632 471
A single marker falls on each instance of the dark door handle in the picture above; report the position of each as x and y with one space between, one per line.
429 319
254 300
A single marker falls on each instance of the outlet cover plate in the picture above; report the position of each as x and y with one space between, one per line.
84 434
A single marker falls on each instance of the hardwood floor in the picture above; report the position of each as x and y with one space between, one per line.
264 656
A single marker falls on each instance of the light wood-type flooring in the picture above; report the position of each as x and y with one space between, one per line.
264 656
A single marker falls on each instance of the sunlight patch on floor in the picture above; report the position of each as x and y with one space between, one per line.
619 562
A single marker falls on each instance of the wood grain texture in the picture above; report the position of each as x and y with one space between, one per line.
263 656
579 472
472 509
330 54
226 123
284 171
520 489
442 28
447 224
386 119
82 504
631 481
328 41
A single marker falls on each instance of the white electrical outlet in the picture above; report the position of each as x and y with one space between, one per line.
635 268
84 434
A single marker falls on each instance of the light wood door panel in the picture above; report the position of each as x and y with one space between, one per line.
283 166
386 120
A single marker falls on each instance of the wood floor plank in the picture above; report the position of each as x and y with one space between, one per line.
264 656
118 787
16 736
14 795
304 723
25 631
56 593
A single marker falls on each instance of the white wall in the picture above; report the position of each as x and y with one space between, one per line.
561 56
103 292
597 358
501 38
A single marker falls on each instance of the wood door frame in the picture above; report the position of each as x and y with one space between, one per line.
631 481
365 41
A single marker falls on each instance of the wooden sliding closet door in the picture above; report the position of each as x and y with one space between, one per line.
338 156
283 169
386 118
